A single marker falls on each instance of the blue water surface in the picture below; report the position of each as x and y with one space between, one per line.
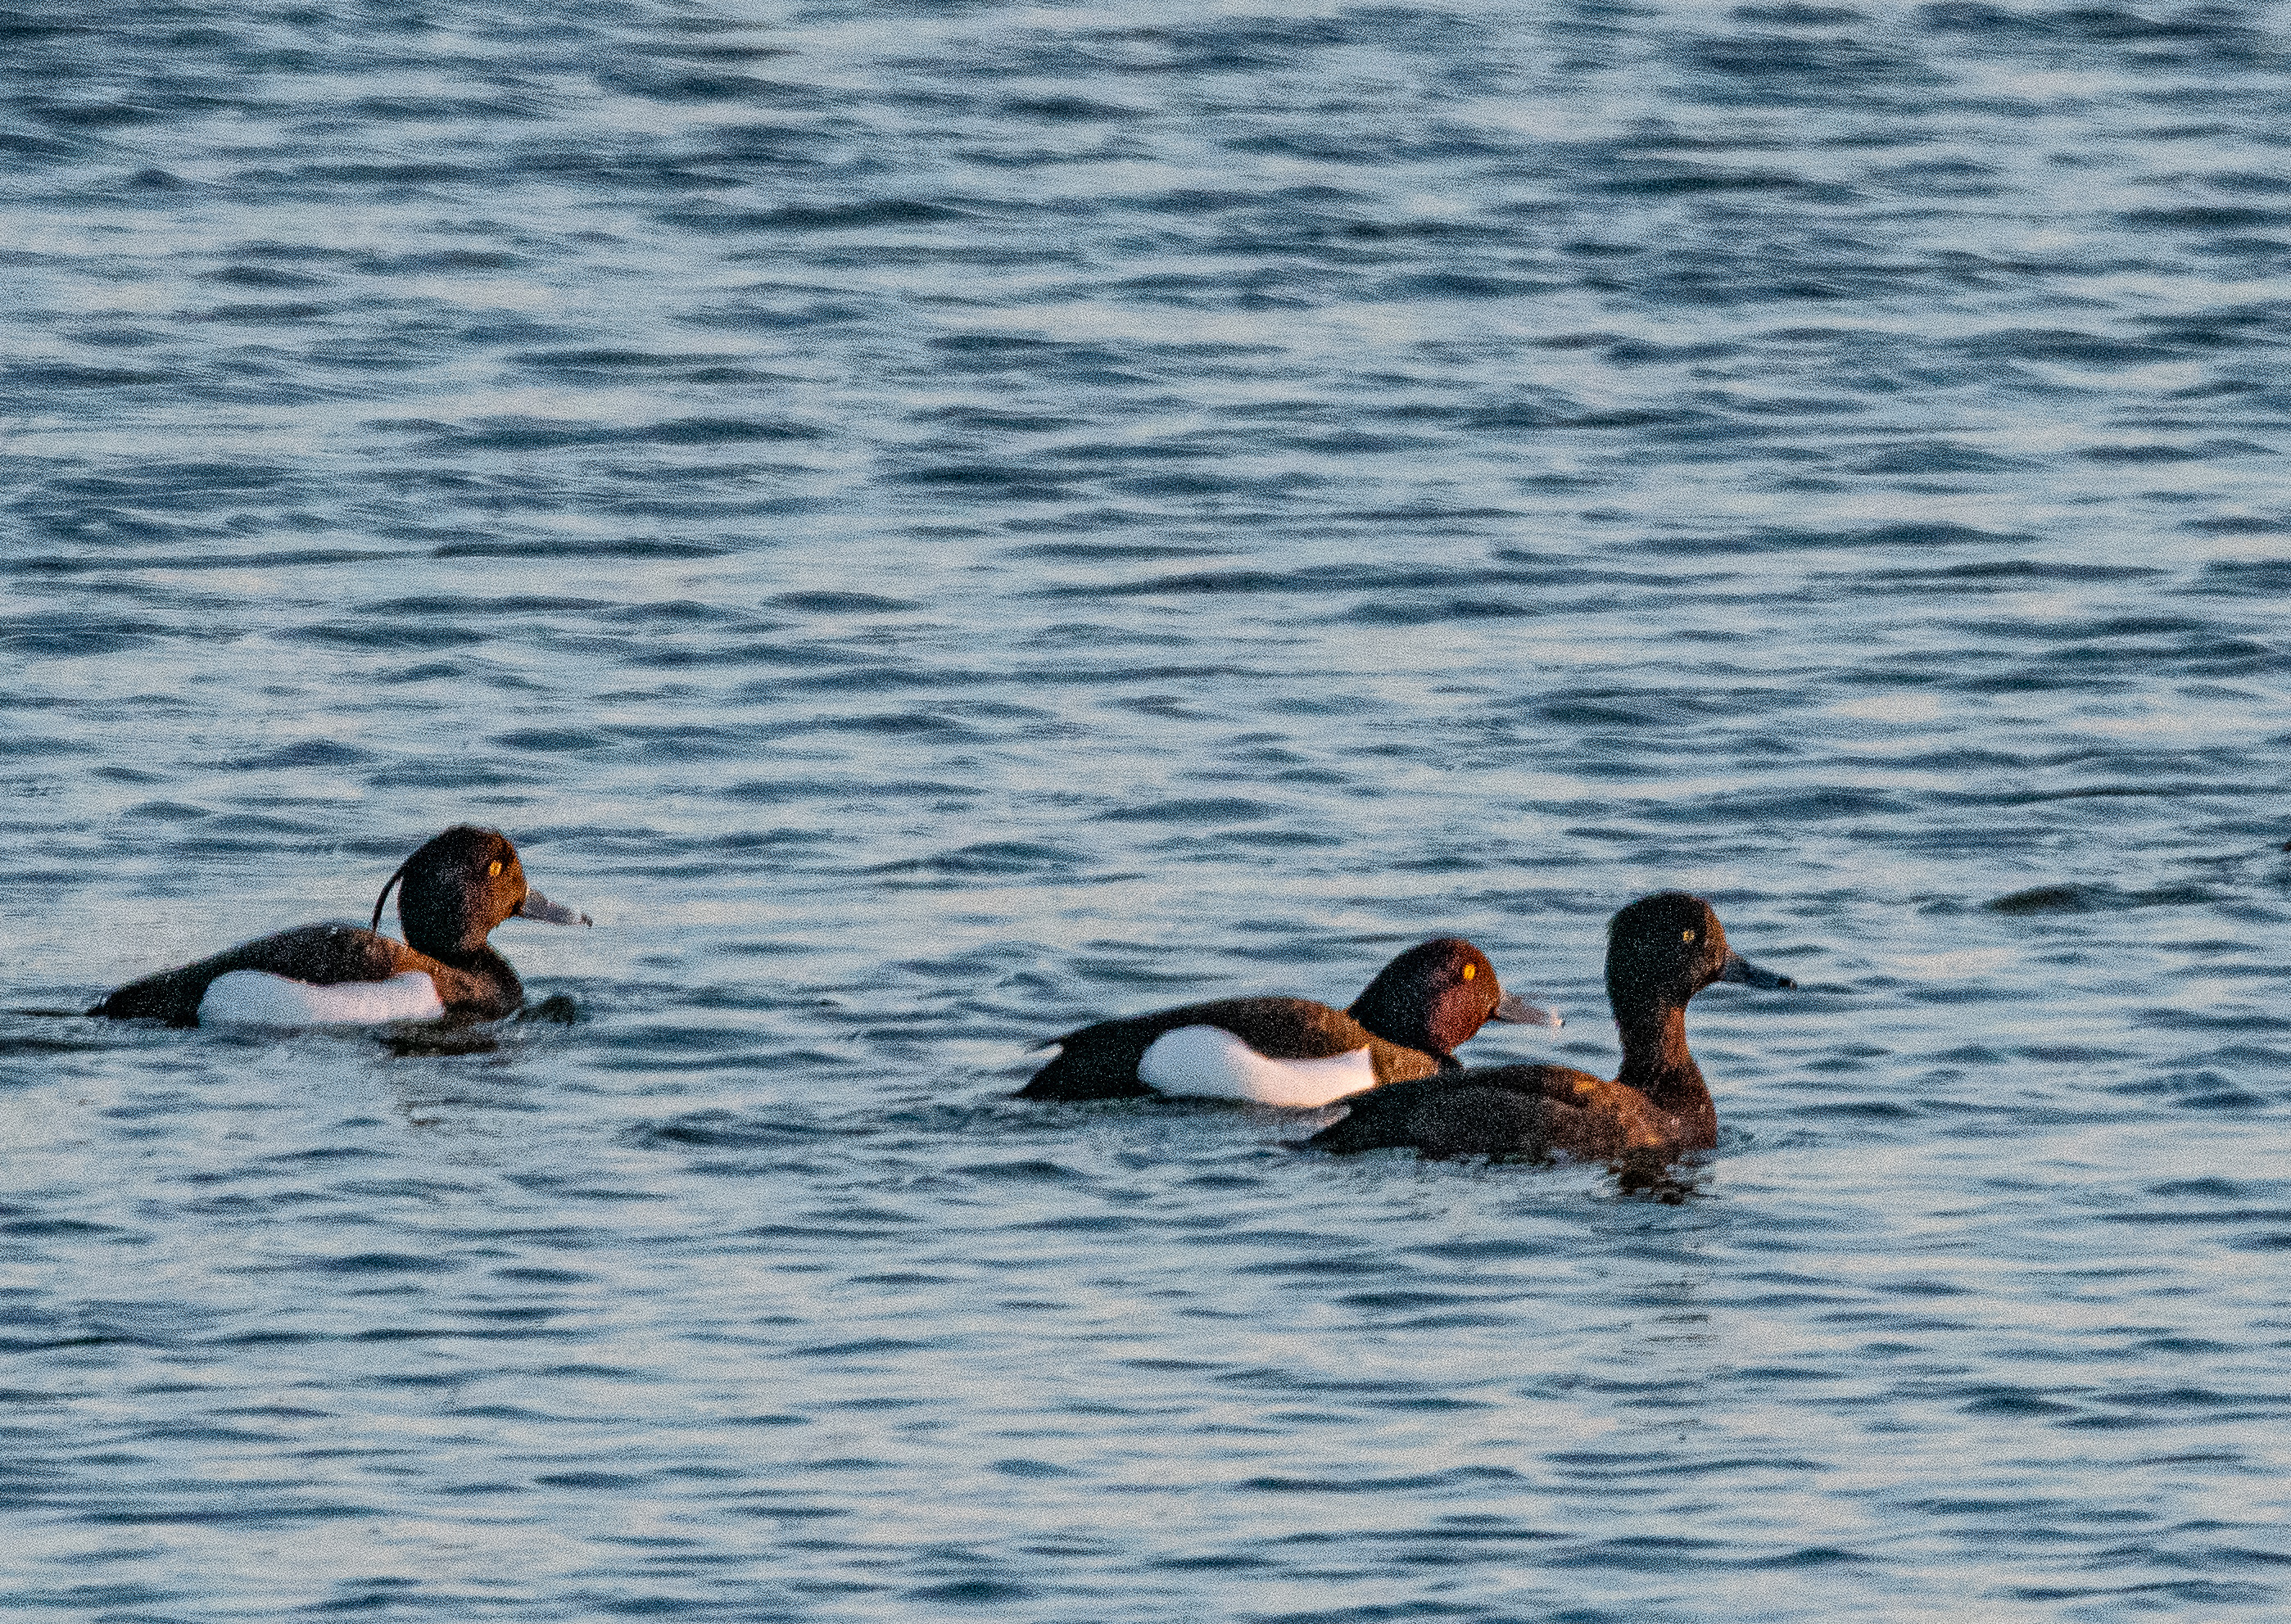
936 523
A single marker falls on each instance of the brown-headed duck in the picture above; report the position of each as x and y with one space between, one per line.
1292 1051
453 890
1662 951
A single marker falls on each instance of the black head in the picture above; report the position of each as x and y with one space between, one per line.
457 886
1435 996
1664 949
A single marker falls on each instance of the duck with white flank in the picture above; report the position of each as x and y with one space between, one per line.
453 891
1662 951
1292 1051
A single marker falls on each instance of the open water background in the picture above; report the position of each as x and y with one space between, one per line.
935 523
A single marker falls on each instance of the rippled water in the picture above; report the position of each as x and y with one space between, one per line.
937 523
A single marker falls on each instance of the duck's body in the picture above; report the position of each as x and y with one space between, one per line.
1660 952
1291 1051
1521 1110
483 985
456 888
1109 1060
257 998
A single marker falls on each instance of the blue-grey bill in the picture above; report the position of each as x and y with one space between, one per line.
537 906
1522 1013
1739 969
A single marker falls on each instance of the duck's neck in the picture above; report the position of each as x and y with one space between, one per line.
1403 1028
484 960
1657 1063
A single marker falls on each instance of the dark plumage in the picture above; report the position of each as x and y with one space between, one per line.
1662 951
1410 1019
454 890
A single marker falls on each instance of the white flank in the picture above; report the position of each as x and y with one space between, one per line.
253 998
1209 1062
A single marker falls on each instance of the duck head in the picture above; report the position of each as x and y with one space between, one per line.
458 886
1664 949
1436 996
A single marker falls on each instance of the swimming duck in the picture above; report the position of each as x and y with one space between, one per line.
1662 951
453 890
1292 1051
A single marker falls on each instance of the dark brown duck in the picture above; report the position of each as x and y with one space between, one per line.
1662 951
452 892
1292 1051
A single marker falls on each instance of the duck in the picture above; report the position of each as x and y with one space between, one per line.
1292 1051
455 888
1662 951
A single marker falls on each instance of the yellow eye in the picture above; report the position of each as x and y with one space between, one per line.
1686 936
494 869
1470 970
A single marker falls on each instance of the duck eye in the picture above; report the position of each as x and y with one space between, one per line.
493 871
1470 970
1686 936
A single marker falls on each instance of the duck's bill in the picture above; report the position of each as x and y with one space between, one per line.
1519 1012
537 906
1739 969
